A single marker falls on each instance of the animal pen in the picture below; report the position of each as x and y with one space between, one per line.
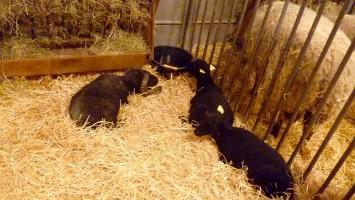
286 67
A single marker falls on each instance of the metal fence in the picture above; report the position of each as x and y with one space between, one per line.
198 33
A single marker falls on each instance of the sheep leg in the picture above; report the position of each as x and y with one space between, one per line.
239 43
307 116
255 83
306 119
276 128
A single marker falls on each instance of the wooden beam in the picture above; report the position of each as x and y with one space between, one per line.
151 32
73 64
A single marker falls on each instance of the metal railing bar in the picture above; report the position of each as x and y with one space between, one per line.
278 68
350 193
321 103
199 22
264 64
259 37
201 28
304 49
240 21
193 22
182 30
210 30
247 71
217 31
230 17
337 166
303 96
328 136
186 22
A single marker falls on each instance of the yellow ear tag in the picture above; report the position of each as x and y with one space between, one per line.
212 68
202 71
220 109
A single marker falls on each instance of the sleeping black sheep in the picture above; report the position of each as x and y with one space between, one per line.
101 98
170 60
210 114
266 167
209 109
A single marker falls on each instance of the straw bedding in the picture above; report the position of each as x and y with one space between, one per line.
149 156
33 28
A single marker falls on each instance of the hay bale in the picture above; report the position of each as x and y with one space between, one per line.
68 18
118 42
74 24
330 64
21 47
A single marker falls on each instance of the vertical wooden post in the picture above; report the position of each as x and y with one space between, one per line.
150 32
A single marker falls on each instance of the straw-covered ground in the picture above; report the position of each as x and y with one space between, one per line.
151 155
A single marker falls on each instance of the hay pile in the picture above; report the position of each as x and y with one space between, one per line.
150 156
39 25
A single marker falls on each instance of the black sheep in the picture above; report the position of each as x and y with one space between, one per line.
209 109
172 55
266 167
171 60
101 98
213 116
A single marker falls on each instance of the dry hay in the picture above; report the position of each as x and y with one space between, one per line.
151 155
336 147
117 43
40 25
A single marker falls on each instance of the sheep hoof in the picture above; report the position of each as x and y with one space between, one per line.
276 130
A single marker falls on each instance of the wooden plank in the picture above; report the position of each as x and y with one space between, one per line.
61 65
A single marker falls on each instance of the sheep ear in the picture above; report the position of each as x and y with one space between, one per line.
212 68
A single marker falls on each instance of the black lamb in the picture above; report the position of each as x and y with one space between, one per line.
171 60
210 114
209 109
172 55
101 98
266 167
